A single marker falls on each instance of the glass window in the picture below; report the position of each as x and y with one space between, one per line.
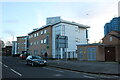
37 42
37 34
44 40
41 41
110 38
41 32
44 31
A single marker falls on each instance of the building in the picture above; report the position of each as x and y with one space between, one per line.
44 39
112 48
1 46
40 41
22 44
91 52
7 50
114 25
14 47
108 50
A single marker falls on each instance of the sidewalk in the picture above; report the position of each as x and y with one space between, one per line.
110 68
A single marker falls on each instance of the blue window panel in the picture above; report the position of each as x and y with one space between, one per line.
91 54
81 54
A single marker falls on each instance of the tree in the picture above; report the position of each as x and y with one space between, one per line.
8 43
2 44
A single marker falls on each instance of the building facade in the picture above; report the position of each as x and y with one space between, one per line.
7 51
40 41
43 39
112 48
14 47
114 25
22 44
91 52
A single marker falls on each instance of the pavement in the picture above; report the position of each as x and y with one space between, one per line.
106 68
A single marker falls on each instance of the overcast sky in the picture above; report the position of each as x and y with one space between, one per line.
19 18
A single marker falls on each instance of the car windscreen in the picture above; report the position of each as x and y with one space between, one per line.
36 57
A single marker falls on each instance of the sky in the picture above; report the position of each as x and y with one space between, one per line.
20 18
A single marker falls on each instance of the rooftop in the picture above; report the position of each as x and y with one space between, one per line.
61 21
94 44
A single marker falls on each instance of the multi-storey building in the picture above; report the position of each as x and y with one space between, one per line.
43 40
40 41
114 25
14 47
22 44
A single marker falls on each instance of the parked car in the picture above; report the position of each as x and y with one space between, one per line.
23 56
16 55
35 60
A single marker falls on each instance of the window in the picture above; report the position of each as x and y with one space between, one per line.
37 42
110 38
29 37
63 30
31 43
36 34
44 31
41 32
77 40
41 41
44 40
34 43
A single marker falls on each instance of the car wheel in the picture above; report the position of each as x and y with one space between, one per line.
26 63
33 64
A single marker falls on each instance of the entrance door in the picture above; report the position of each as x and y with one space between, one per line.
110 54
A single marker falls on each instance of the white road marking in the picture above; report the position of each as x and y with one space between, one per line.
5 65
0 62
89 77
57 75
16 72
53 69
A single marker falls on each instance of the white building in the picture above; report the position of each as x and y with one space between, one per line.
43 39
14 47
77 34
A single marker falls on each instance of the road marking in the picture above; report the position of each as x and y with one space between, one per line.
5 65
16 72
0 62
53 69
89 77
57 75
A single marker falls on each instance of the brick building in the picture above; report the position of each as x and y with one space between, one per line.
22 44
43 39
112 48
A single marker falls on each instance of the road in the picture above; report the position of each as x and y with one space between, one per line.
13 67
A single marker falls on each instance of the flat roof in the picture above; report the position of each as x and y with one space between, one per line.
62 21
21 36
94 44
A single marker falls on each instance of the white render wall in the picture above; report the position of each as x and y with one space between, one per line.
72 32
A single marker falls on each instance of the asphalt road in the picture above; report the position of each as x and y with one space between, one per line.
13 67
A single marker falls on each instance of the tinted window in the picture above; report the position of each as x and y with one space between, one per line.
29 57
36 57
